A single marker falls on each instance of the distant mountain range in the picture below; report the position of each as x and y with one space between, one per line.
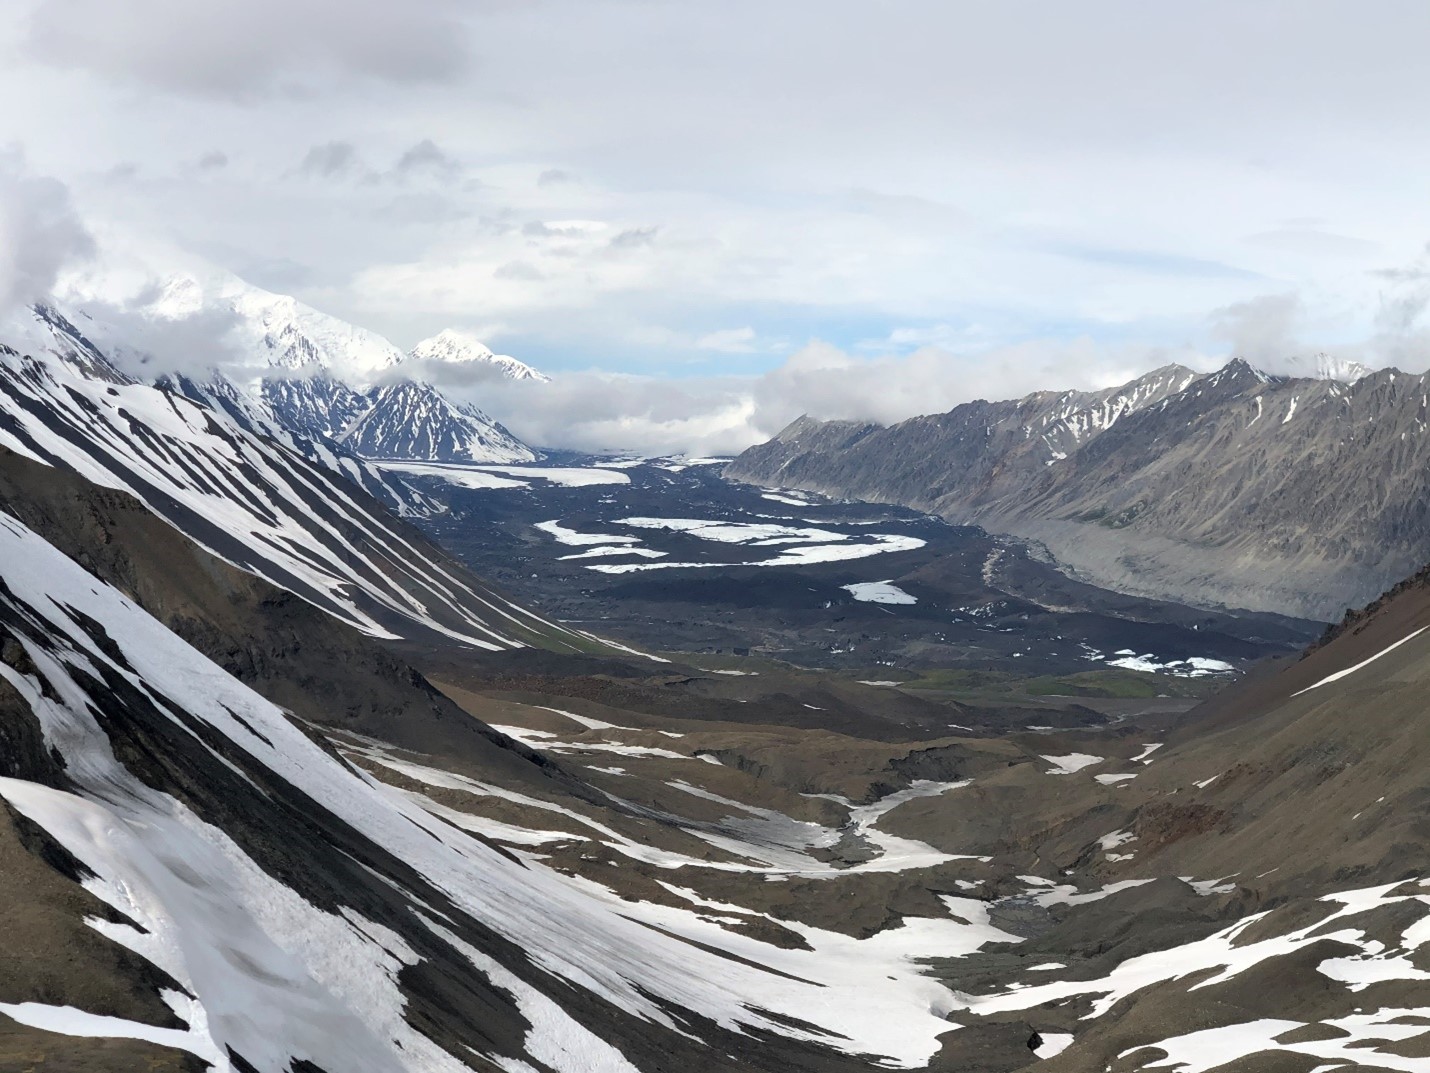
314 375
1301 495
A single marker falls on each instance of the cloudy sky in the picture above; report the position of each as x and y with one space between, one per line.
722 214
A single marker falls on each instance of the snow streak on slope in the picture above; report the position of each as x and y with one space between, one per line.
317 406
1338 675
274 974
1079 416
249 501
1364 945
309 439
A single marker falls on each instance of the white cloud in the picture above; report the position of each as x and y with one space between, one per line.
609 180
722 415
595 411
1262 330
728 341
1278 332
40 234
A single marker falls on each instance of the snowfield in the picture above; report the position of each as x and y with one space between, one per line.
1071 763
879 592
564 535
879 544
565 477
1194 667
484 477
1227 954
800 545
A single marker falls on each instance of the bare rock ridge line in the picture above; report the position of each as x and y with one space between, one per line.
1236 488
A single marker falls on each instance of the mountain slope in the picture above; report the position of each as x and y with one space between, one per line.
259 902
247 499
237 931
979 451
316 406
296 654
259 417
1237 488
1295 809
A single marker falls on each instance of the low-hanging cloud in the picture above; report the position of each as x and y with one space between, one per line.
1264 330
40 234
148 345
1280 334
596 411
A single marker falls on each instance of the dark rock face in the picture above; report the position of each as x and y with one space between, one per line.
318 407
1237 488
412 420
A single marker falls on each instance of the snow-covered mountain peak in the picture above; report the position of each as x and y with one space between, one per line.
298 337
263 331
178 297
452 347
291 369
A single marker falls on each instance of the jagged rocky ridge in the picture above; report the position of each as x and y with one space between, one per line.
410 419
1235 488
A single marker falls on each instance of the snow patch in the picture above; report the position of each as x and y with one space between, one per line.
1071 763
879 592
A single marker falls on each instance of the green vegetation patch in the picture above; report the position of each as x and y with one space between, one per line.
1111 682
